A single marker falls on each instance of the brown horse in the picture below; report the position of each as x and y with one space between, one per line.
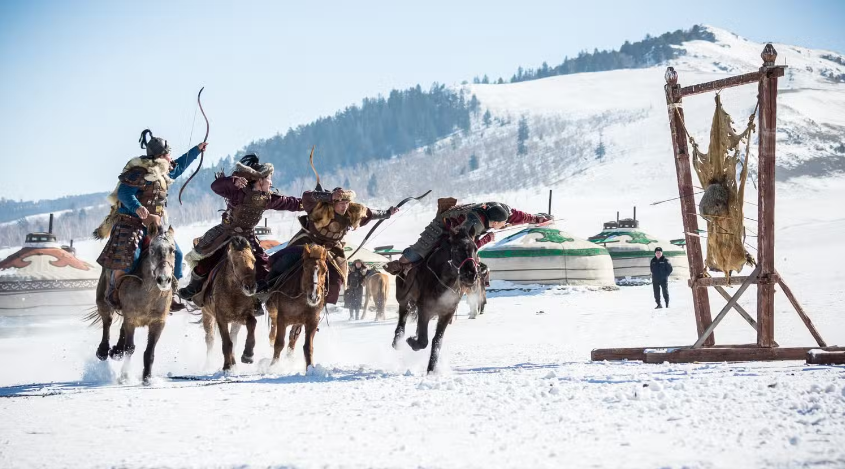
145 298
232 290
377 286
435 288
297 300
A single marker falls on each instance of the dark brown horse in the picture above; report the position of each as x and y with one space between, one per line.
435 288
297 300
231 301
145 297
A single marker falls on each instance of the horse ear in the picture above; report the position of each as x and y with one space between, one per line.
323 255
307 249
170 230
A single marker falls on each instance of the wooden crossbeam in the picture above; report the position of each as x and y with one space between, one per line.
739 309
724 282
724 311
738 80
822 357
801 313
732 354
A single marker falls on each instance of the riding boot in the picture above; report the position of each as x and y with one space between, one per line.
259 307
111 295
174 304
262 292
194 287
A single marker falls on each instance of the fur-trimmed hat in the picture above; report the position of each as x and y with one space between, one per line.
155 146
348 195
251 169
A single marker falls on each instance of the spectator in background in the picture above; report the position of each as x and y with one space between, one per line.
660 271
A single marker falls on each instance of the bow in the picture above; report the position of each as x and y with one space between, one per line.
373 229
202 154
311 160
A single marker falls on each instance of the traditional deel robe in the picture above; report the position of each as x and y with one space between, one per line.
144 182
323 226
244 210
472 218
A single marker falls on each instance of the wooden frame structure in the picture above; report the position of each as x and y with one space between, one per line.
765 276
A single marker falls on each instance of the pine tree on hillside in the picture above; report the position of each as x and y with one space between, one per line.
522 136
485 80
600 150
473 162
486 119
372 186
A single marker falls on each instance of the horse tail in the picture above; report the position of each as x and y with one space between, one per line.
93 317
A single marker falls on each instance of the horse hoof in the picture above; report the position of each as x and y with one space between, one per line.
103 353
416 346
246 359
116 354
148 381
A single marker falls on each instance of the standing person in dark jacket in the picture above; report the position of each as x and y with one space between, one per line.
355 288
660 271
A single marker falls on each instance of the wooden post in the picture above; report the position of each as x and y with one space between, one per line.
801 313
766 201
550 202
700 299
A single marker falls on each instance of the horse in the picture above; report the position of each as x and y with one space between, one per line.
435 288
231 301
377 286
297 301
145 297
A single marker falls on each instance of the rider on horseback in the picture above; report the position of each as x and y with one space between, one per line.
476 219
139 201
330 215
247 194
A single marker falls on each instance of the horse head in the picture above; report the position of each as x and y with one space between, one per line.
162 257
314 272
463 253
243 264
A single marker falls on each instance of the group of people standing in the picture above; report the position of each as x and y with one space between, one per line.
140 199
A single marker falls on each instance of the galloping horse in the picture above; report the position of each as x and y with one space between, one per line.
298 300
377 286
436 286
231 301
145 298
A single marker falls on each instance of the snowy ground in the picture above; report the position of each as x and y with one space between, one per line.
515 389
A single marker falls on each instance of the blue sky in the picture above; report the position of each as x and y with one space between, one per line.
80 80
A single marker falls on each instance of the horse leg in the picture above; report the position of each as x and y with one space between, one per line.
103 348
279 342
249 348
295 330
228 355
126 347
272 314
116 352
308 347
154 333
400 325
420 341
442 322
208 326
234 330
